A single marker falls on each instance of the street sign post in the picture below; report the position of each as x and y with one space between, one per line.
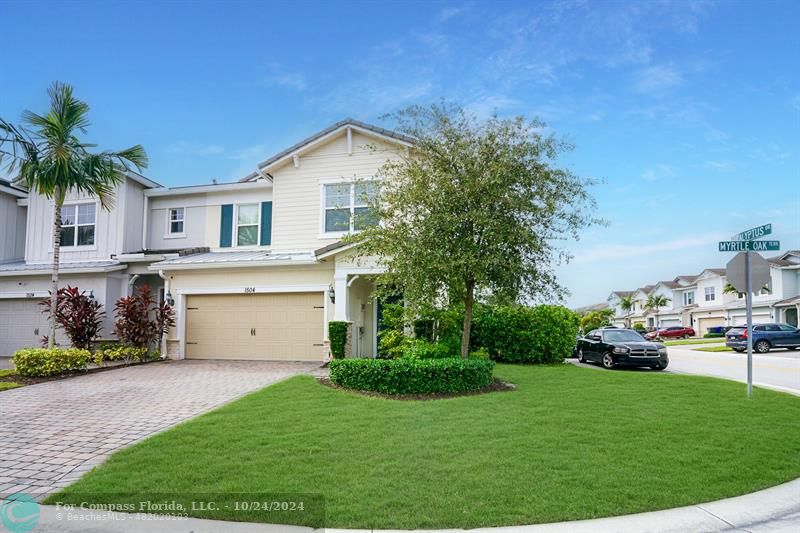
748 269
753 233
749 246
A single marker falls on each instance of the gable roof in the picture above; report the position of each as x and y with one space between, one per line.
369 129
687 278
669 284
623 294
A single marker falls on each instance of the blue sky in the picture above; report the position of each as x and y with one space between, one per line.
689 112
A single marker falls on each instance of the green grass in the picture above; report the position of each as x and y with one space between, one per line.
6 385
570 443
695 341
6 372
714 349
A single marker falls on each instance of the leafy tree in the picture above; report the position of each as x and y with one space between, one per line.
475 207
730 289
48 158
627 303
596 319
654 303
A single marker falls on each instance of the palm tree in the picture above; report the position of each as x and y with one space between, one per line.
654 303
50 159
627 303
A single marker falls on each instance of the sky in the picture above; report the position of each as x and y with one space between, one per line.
687 112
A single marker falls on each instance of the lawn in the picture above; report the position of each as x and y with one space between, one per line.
714 349
714 340
569 443
5 385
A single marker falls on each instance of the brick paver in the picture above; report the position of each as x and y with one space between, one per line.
52 433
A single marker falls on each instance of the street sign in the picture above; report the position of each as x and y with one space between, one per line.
736 271
749 246
753 233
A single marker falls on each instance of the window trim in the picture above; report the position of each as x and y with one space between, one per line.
235 236
76 247
323 234
710 291
168 230
686 298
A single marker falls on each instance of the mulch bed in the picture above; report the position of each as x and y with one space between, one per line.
496 386
24 380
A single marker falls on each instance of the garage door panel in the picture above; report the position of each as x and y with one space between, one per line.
22 325
288 326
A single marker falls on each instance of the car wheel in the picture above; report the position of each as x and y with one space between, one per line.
659 367
686 336
581 358
608 361
762 346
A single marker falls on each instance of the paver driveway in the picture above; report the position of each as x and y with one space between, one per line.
52 433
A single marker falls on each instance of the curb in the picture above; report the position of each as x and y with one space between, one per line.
731 514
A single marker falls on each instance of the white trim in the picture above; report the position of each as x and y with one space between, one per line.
374 327
261 289
232 264
75 247
63 272
168 230
23 295
336 251
202 189
235 236
324 182
146 208
180 303
13 192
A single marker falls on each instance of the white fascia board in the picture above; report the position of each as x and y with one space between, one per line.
66 272
336 251
230 264
13 192
268 289
204 189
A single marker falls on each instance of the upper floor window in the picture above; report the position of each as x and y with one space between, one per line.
688 298
176 220
78 224
346 206
247 225
710 295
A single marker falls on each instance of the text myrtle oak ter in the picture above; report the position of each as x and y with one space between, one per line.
749 246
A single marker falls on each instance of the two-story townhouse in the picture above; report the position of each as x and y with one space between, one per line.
670 314
638 314
271 271
94 245
786 287
711 300
614 300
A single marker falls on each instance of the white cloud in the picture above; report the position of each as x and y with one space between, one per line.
658 79
657 172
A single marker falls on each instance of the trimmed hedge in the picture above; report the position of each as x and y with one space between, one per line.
412 376
541 335
40 362
337 334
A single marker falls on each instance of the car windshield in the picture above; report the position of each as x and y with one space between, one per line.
736 331
622 336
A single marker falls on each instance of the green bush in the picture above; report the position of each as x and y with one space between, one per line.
639 326
518 334
337 334
422 349
40 362
128 354
480 353
713 335
412 376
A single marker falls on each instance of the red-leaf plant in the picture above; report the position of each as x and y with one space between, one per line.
78 315
141 320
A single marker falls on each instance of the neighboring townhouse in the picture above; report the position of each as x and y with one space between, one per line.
701 302
255 268
12 221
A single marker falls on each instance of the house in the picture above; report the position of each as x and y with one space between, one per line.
255 268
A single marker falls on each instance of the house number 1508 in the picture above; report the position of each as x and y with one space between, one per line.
249 290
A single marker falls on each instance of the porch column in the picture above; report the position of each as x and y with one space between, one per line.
342 309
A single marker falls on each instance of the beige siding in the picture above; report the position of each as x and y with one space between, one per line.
12 228
297 210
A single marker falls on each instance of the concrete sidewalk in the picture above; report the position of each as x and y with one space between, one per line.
776 509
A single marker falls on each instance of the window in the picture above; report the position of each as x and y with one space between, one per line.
347 206
247 225
786 327
77 225
176 220
688 298
709 292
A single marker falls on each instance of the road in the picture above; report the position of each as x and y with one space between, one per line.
779 370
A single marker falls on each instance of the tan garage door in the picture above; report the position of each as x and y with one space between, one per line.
22 325
286 326
704 323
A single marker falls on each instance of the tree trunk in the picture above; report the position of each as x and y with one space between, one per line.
51 338
469 300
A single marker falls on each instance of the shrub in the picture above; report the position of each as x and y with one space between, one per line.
480 353
713 335
422 349
638 326
134 325
40 362
128 354
412 376
337 334
391 335
78 315
555 329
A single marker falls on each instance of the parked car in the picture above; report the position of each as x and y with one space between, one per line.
671 332
765 337
621 347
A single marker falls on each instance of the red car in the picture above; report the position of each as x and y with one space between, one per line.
672 332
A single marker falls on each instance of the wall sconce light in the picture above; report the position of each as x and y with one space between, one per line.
170 300
91 295
332 293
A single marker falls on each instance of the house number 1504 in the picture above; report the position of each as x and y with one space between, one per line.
249 290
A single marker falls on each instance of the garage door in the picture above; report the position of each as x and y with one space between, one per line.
741 320
22 325
286 326
704 323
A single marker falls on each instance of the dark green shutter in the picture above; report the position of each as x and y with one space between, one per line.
226 226
266 223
